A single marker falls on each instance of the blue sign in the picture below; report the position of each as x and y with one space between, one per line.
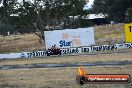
64 43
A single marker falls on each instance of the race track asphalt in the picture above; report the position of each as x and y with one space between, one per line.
41 65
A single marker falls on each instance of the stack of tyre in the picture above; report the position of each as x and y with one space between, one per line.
53 51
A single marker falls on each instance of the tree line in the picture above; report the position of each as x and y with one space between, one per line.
42 15
119 11
38 16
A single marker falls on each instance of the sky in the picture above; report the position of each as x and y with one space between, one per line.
88 5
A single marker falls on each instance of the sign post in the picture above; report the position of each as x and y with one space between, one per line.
128 32
69 38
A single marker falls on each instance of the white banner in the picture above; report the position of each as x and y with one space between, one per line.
23 55
95 48
70 38
67 51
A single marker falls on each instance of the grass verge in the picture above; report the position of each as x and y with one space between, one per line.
71 59
58 78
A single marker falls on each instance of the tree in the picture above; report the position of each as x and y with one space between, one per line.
115 9
42 15
5 12
51 14
129 15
